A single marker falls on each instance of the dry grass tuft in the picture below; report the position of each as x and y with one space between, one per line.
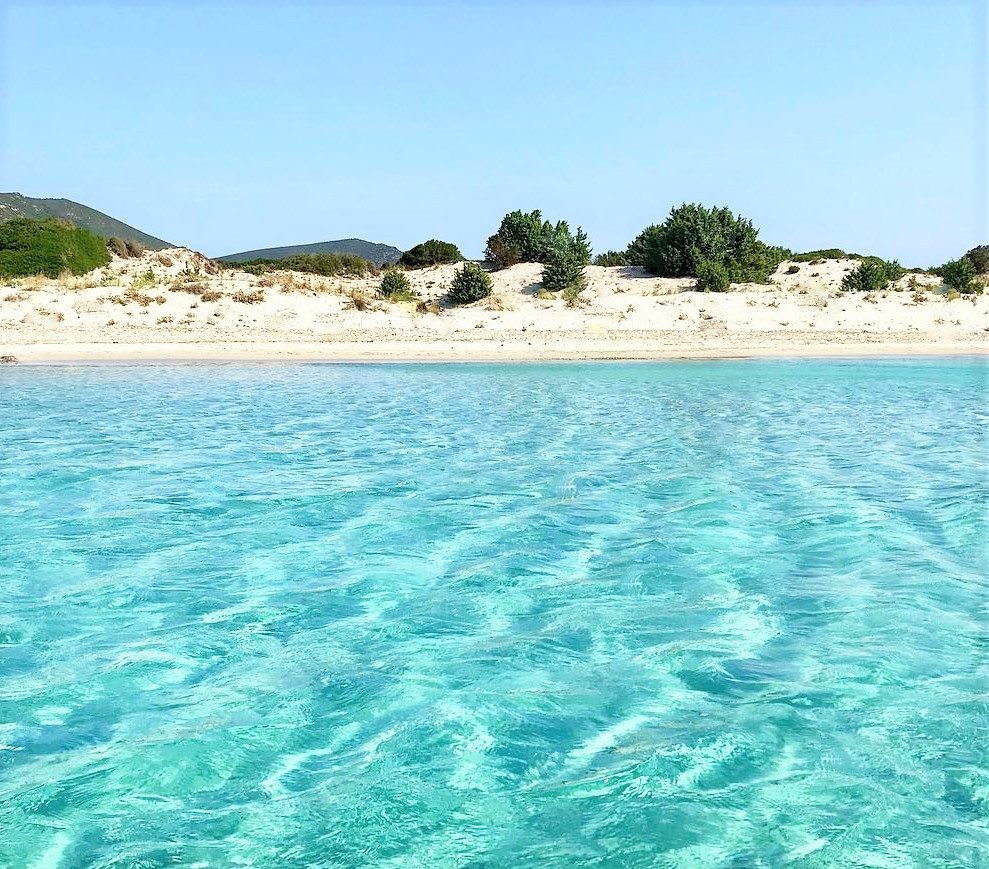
358 301
248 297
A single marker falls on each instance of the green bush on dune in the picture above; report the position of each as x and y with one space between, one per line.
323 264
431 253
395 287
527 238
810 256
712 277
519 239
471 283
693 234
979 258
872 275
612 258
565 256
48 247
960 275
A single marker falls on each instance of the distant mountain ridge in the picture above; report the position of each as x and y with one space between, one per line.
369 250
14 205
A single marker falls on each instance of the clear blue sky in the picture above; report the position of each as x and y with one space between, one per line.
229 126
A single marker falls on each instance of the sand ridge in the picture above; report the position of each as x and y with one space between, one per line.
175 304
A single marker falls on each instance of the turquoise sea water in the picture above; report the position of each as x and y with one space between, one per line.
713 614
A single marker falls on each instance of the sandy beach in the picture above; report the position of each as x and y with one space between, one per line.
175 305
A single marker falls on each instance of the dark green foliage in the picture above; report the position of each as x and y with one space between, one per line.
395 287
325 264
712 277
378 254
694 233
48 247
566 256
872 275
792 270
829 253
612 258
960 275
757 264
118 246
894 271
500 254
431 253
470 283
13 205
979 258
527 238
519 239
635 254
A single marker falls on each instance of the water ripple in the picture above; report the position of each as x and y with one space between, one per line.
677 615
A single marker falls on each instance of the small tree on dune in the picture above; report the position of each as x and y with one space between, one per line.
693 234
471 283
431 253
979 258
960 275
565 256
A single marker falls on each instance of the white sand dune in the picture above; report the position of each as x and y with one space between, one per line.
123 312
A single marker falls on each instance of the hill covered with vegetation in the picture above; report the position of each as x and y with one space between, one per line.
379 254
16 205
48 247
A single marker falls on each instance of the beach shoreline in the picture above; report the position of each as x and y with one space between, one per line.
474 351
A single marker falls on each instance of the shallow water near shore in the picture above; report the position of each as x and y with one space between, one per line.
705 614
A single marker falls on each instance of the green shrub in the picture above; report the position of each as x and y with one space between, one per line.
470 283
499 254
960 275
527 238
431 253
694 233
48 247
324 264
712 277
872 275
395 287
757 264
792 270
519 239
894 271
566 256
612 258
829 253
635 253
979 258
